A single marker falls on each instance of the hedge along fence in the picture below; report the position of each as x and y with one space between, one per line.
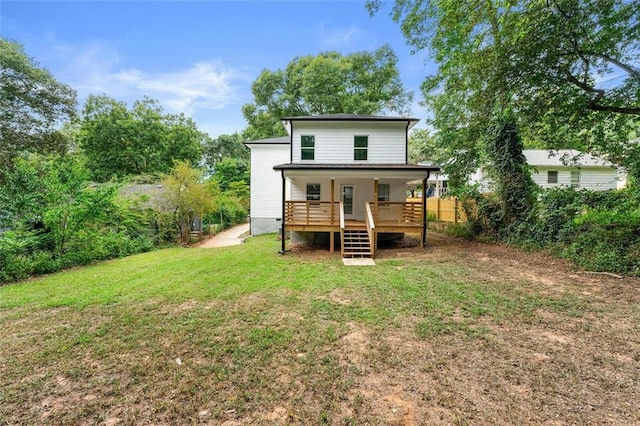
444 209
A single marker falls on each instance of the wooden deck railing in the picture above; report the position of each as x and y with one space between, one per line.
327 213
371 229
402 213
311 212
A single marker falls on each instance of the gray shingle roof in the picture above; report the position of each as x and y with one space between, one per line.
271 141
542 157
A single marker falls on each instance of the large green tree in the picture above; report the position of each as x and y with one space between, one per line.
33 104
568 71
121 142
328 83
225 146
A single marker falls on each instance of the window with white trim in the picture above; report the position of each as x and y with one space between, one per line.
308 147
552 176
360 148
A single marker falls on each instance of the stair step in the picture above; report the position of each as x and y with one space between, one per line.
356 243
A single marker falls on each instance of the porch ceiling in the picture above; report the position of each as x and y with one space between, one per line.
372 171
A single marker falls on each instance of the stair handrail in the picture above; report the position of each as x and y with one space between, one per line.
371 229
341 229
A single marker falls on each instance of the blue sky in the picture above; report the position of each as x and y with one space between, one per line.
196 57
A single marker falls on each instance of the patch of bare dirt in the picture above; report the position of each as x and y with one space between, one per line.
558 367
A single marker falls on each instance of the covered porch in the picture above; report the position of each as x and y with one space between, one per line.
356 204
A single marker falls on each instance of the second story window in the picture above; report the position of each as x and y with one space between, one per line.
552 176
360 147
308 144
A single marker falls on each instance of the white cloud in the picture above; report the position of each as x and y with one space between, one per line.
207 84
204 85
338 37
210 92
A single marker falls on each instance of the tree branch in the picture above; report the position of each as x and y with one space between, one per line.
594 104
627 68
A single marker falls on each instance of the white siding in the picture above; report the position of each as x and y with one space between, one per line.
485 183
266 183
334 141
363 190
592 178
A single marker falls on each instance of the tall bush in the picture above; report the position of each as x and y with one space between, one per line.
57 219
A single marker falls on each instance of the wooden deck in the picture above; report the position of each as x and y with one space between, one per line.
321 216
358 238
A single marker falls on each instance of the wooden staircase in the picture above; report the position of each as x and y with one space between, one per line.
356 243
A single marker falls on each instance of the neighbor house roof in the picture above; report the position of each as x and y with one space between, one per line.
563 157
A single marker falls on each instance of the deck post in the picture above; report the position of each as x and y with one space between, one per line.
331 233
423 240
283 234
333 186
376 191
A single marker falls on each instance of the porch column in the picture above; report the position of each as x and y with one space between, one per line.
331 233
376 191
283 234
423 239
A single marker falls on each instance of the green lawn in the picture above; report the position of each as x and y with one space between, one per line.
245 335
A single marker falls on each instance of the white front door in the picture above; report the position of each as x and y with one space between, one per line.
347 198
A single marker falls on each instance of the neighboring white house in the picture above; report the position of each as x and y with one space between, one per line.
338 174
561 168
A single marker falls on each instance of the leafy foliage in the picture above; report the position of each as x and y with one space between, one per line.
187 197
225 146
514 187
568 70
329 83
119 142
32 104
597 230
422 147
230 170
58 219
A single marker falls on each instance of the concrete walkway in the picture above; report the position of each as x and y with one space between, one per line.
230 237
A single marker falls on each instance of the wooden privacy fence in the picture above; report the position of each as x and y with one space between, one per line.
444 209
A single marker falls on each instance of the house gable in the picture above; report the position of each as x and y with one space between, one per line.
346 139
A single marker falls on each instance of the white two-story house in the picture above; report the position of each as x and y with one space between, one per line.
337 178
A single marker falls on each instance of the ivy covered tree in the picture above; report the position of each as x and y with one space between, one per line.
33 104
329 83
514 190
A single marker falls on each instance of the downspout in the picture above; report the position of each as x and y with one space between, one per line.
283 233
424 210
406 143
290 143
